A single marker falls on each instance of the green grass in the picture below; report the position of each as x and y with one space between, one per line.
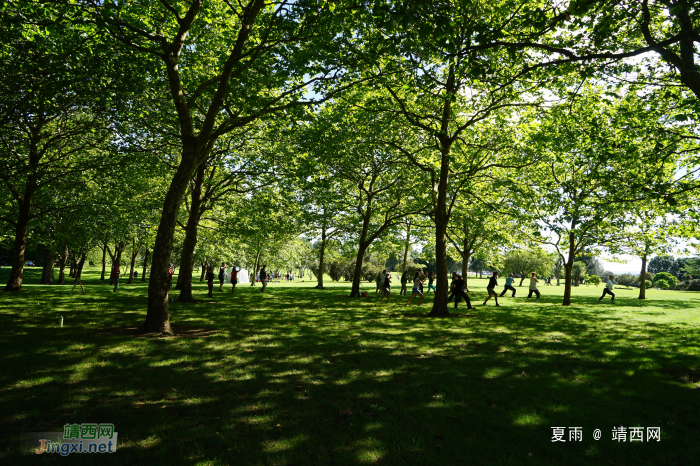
272 379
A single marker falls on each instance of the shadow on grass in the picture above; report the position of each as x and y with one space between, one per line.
290 377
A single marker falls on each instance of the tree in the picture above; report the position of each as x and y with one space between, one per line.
521 262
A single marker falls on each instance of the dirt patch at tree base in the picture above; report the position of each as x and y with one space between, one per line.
180 331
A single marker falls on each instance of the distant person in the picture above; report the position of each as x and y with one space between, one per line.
459 291
431 279
416 289
509 286
491 288
210 280
380 282
386 288
452 286
263 278
170 275
404 281
234 279
608 289
116 271
533 288
222 276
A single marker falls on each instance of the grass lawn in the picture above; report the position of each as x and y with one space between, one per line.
299 376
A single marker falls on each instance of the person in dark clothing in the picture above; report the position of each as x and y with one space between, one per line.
263 278
222 275
491 288
116 271
452 287
210 280
404 280
416 289
509 285
431 278
386 291
459 292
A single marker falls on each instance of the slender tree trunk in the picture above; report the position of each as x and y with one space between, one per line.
257 264
79 267
361 248
441 221
465 260
47 272
62 266
158 313
190 242
569 266
405 250
321 259
643 275
134 253
204 270
522 279
104 261
145 265
73 264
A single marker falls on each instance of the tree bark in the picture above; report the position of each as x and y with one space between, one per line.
405 250
62 266
355 291
321 259
158 313
14 282
145 265
104 261
47 272
134 253
204 270
73 264
190 242
257 264
441 221
643 275
568 267
79 267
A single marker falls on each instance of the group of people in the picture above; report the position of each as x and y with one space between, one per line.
222 278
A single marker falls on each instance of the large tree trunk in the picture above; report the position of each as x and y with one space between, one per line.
643 275
187 262
134 253
104 261
158 313
145 265
441 221
14 283
357 276
62 266
47 271
321 259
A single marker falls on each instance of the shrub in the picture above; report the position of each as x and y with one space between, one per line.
681 286
662 284
593 280
648 284
667 277
649 275
626 279
694 285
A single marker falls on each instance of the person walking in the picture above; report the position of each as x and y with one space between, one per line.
509 286
222 276
608 290
404 281
491 288
210 280
431 279
263 278
533 288
234 279
452 287
116 271
416 289
386 288
170 275
459 286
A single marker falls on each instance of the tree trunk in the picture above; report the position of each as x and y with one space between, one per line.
568 267
47 272
134 253
256 265
62 266
204 270
73 264
158 313
145 264
104 261
522 279
357 276
441 221
190 242
465 260
79 267
405 250
321 259
643 275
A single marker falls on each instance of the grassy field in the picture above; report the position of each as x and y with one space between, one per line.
309 377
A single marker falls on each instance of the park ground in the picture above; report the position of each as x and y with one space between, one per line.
310 377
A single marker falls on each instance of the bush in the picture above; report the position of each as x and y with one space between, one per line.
681 286
626 279
662 284
648 284
667 277
593 280
650 277
694 285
